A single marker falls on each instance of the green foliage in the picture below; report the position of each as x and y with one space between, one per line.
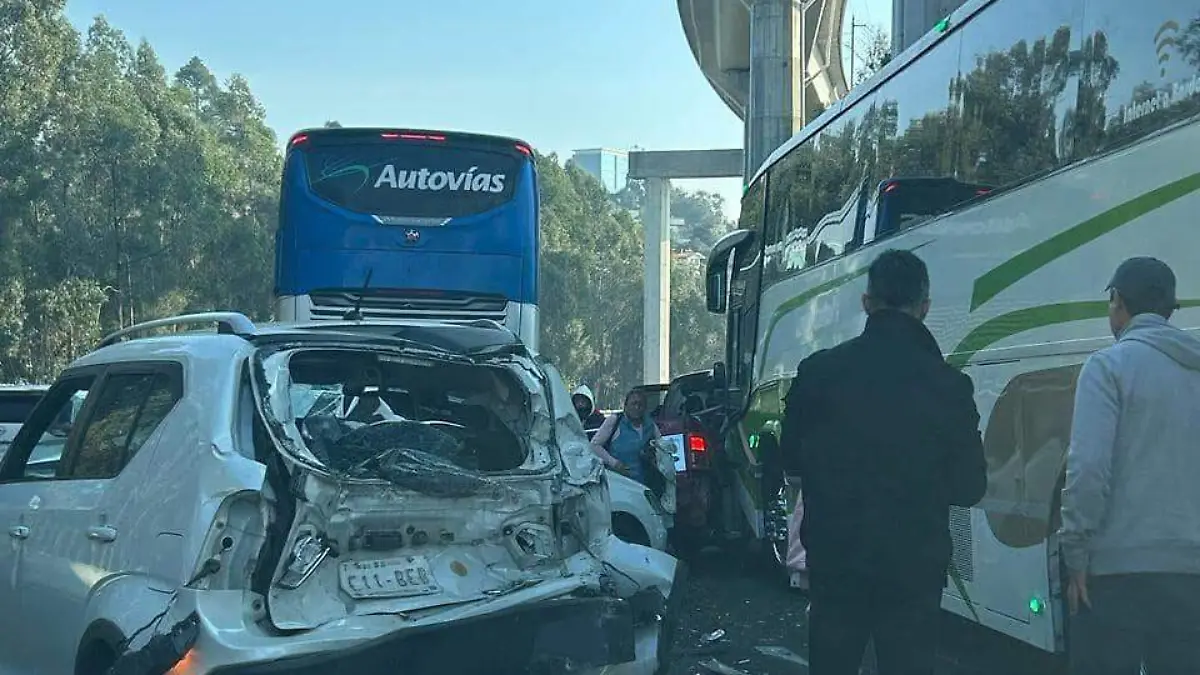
876 54
123 194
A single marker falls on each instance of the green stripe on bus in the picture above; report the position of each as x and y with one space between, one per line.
1029 261
1007 325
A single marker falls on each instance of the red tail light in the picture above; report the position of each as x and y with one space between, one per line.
891 186
981 192
297 140
697 456
524 149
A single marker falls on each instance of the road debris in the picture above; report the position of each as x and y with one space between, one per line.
782 653
715 666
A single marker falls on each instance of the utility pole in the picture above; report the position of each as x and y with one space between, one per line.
854 25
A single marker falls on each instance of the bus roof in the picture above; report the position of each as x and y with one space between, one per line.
361 133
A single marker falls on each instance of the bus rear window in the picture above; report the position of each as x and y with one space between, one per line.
412 180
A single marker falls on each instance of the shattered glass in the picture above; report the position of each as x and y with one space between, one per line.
411 455
444 436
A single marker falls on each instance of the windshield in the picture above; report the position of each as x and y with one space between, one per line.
428 425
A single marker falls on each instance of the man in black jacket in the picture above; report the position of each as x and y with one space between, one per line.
884 436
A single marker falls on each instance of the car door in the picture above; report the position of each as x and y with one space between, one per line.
83 533
30 469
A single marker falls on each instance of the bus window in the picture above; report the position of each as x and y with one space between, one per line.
904 202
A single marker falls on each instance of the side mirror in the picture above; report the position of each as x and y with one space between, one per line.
716 290
720 378
716 271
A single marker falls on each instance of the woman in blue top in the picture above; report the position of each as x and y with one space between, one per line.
621 439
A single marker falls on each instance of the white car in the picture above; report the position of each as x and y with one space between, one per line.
210 514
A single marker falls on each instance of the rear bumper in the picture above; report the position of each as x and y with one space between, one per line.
555 636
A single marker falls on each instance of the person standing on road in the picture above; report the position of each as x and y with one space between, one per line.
623 437
585 406
1130 532
884 436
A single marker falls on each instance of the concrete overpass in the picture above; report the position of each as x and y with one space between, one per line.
776 64
742 46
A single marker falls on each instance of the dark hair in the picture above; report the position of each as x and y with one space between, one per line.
634 392
1160 306
898 280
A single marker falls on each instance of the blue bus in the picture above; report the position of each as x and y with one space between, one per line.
408 224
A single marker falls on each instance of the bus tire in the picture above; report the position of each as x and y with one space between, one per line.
772 553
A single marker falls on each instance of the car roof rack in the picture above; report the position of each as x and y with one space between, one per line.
228 323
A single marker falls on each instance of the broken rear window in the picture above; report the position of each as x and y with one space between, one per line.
433 426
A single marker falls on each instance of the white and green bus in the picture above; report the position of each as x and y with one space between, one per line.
1023 149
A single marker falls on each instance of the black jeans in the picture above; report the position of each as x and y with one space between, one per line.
1136 618
904 627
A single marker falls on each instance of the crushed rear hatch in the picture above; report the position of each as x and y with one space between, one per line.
422 480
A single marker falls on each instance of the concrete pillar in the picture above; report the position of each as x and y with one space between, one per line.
776 66
656 322
912 19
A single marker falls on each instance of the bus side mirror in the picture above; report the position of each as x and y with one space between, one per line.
716 291
719 377
716 272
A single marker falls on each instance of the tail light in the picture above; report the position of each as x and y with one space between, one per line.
697 451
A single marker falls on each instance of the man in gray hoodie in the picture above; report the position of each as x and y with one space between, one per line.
1131 506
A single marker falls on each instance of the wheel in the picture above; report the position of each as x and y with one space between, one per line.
774 544
777 526
95 659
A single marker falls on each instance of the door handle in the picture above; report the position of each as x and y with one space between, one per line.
102 533
18 532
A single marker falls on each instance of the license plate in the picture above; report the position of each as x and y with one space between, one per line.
676 443
390 578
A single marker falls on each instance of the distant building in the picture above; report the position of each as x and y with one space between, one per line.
688 258
611 167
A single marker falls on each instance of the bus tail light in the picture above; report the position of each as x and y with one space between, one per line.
524 150
981 192
697 451
298 139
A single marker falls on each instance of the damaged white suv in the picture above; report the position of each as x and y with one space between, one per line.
308 499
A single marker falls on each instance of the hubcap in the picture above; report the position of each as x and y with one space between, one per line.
777 525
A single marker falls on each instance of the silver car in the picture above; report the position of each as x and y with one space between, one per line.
310 499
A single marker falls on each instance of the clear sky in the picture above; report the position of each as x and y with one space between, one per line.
562 74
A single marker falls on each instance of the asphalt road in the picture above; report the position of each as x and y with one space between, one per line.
764 629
